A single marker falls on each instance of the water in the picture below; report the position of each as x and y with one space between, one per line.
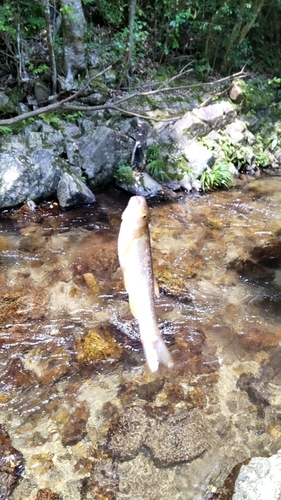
76 396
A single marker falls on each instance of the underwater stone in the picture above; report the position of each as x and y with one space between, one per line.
181 437
10 464
260 479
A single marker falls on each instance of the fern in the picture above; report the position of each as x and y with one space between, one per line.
219 176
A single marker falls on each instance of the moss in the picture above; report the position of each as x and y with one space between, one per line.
98 344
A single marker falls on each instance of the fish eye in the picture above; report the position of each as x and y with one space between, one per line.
144 216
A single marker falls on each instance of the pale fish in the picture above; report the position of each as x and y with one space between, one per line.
134 253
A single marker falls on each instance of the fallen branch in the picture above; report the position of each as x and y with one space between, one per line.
114 105
50 107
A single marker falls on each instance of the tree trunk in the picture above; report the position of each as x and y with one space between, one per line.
74 35
241 28
50 42
133 5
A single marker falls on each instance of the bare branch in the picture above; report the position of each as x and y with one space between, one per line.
114 105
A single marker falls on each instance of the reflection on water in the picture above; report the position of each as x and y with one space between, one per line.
76 397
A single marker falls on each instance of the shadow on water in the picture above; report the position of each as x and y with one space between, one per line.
76 397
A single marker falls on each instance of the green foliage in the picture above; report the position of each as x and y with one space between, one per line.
157 164
113 13
68 11
258 93
51 119
217 177
124 175
5 130
180 166
73 117
39 69
274 81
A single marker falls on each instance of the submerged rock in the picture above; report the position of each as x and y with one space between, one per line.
47 494
176 439
11 465
260 479
98 345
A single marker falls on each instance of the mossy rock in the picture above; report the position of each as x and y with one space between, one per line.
98 345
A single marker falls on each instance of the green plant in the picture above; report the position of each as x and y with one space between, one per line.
124 175
219 176
157 164
180 166
52 120
73 117
40 69
5 130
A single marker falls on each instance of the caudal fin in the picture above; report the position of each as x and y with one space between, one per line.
156 352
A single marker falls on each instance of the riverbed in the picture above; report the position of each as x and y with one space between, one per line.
77 398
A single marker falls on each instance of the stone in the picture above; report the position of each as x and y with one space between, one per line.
171 440
72 191
127 433
110 77
97 345
144 185
256 338
74 429
188 124
179 438
11 465
236 131
42 91
4 99
260 479
198 157
48 363
236 92
3 244
100 152
33 139
25 177
46 494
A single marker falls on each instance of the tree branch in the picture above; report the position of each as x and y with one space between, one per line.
114 105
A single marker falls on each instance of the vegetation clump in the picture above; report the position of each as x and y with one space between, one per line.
219 176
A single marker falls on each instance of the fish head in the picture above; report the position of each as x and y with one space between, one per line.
136 213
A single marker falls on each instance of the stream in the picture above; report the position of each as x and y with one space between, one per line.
77 398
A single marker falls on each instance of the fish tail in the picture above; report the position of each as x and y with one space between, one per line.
156 352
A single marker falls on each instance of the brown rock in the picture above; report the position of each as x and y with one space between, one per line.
46 494
3 244
49 362
236 93
96 254
127 433
181 437
75 428
92 283
16 376
258 337
11 461
98 345
32 243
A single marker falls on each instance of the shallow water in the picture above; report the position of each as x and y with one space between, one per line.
76 396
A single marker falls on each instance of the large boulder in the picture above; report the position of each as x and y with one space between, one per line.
23 178
72 191
101 151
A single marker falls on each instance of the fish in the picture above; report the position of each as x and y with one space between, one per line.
134 253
